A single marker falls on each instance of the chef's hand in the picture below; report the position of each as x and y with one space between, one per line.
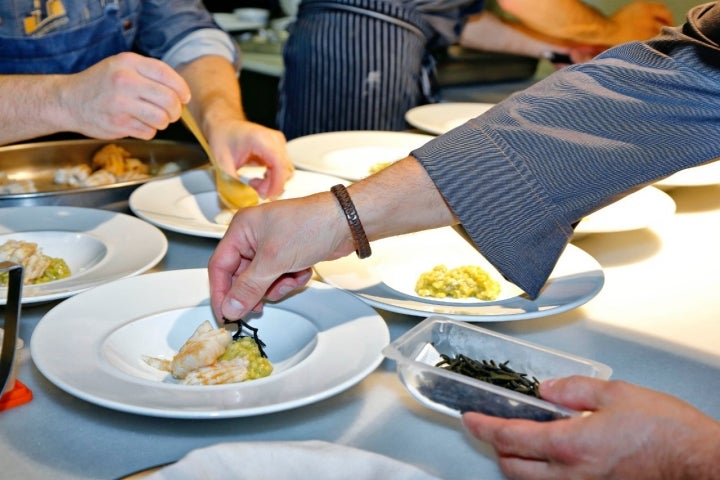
237 142
638 20
633 433
126 95
269 250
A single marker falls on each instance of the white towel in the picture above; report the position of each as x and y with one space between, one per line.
304 460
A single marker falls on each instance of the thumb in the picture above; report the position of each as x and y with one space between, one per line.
246 294
576 392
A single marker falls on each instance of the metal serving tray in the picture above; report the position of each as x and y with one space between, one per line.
39 161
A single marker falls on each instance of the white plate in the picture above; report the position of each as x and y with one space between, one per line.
577 278
98 245
232 23
188 203
352 155
700 176
321 341
638 210
439 118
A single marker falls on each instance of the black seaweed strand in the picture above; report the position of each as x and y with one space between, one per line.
489 371
242 324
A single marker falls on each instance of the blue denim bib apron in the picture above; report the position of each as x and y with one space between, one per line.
65 51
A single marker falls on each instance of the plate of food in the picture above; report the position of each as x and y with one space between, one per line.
438 118
640 209
66 250
89 173
352 155
310 340
189 204
468 288
700 176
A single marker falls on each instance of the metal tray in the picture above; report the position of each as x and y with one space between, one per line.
39 161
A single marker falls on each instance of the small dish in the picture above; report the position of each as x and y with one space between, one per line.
418 351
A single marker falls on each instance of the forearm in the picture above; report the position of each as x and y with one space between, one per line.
399 199
570 20
215 91
29 107
491 34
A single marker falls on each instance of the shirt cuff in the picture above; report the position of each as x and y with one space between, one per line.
206 41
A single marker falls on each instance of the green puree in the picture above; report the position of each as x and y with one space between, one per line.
258 366
55 271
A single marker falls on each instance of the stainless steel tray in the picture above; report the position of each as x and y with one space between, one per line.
39 161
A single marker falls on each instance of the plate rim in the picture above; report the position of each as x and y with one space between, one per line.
415 116
666 207
350 137
48 365
161 188
692 177
150 235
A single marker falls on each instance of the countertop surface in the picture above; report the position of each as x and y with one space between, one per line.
654 322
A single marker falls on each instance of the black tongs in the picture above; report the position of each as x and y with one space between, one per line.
12 321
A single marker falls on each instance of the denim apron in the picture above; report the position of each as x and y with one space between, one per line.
65 50
354 65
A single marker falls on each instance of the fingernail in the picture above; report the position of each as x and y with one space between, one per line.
285 289
232 309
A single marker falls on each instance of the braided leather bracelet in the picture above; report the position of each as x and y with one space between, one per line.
362 246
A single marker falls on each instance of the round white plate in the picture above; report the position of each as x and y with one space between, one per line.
700 176
98 245
638 210
189 204
439 118
320 340
577 278
352 155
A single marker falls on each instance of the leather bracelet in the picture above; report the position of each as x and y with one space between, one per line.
362 246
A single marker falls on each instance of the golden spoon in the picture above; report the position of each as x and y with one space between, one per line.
233 193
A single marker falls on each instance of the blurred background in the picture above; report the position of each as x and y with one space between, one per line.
463 74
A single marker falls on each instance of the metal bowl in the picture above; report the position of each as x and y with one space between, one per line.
39 161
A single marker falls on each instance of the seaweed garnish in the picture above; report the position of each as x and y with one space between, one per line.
242 324
489 371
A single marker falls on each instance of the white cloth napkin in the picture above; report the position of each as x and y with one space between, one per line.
304 460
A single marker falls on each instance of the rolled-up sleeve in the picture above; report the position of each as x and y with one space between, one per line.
179 31
203 42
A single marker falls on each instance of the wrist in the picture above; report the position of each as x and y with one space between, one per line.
59 109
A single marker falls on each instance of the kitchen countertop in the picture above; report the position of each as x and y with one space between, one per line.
654 322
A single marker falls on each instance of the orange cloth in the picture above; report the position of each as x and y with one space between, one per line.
15 397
